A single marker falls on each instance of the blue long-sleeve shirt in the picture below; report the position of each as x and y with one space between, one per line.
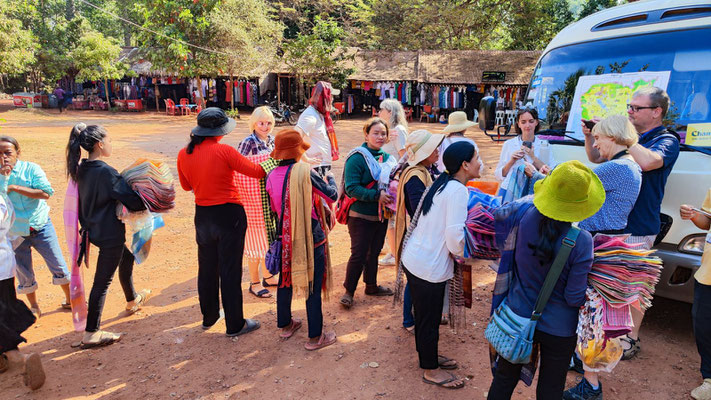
29 212
560 316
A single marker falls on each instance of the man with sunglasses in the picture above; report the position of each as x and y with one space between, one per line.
656 152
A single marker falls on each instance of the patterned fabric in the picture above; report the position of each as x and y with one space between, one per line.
252 145
286 240
269 217
255 244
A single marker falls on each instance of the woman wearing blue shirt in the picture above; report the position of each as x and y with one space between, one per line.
28 188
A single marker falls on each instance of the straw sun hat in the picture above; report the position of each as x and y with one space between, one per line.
289 145
572 192
420 144
458 122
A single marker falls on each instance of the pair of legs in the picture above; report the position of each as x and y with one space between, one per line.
45 242
367 239
389 258
256 285
314 314
427 299
631 346
408 320
110 259
15 318
701 312
556 352
220 233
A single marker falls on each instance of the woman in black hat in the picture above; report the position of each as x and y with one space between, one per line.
207 168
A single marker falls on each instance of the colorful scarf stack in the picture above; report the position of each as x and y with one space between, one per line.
622 274
152 181
479 240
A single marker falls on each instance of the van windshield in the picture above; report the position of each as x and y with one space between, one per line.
687 54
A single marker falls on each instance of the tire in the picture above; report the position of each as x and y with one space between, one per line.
292 119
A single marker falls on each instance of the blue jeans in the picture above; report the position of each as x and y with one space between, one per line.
408 319
47 245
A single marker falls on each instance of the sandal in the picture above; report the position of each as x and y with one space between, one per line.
633 350
267 284
66 306
326 339
292 328
447 363
410 329
33 376
347 301
139 301
36 312
105 339
262 294
443 383
249 326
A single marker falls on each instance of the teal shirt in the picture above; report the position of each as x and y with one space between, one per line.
357 177
28 212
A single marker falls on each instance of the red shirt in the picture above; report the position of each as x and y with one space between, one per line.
210 172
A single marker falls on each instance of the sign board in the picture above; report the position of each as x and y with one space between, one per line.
599 96
698 134
493 76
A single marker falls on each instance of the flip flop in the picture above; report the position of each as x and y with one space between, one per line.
106 339
33 376
295 325
347 301
249 326
262 294
66 306
142 297
410 329
326 339
36 312
442 361
442 384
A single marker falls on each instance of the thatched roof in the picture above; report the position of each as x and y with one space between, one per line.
384 65
467 66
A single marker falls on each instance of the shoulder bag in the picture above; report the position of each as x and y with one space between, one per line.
272 260
512 335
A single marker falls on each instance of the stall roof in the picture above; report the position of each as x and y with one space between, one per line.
468 66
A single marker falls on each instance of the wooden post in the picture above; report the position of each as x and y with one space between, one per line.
106 90
232 95
157 94
278 89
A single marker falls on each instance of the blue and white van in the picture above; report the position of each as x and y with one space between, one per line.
654 35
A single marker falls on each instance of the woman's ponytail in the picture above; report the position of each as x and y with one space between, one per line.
82 136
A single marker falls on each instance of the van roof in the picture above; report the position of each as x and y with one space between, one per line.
634 19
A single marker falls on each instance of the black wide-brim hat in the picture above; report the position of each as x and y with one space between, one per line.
213 121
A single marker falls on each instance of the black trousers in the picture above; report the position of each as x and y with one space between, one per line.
110 259
427 299
556 352
15 317
367 239
220 231
314 314
701 313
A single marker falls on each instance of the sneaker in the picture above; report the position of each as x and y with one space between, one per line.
576 364
389 259
702 392
583 391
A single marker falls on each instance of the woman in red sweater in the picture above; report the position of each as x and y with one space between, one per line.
208 167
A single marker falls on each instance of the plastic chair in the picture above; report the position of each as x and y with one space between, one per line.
184 108
500 115
510 117
340 109
476 116
408 114
169 107
374 111
427 114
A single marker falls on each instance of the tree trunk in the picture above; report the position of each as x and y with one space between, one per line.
70 10
232 96
157 92
106 90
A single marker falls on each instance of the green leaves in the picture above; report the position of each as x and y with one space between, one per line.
95 58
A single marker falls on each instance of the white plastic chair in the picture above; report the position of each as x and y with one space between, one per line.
500 117
510 117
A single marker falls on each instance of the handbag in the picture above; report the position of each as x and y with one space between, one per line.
344 203
510 334
272 259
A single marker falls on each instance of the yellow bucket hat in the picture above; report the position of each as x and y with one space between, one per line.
571 193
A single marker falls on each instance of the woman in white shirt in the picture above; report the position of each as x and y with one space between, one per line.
436 233
15 317
523 154
391 111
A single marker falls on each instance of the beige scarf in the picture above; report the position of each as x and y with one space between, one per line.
302 242
401 217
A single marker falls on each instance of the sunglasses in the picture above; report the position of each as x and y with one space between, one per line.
632 108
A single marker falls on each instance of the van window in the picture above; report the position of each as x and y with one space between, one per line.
687 54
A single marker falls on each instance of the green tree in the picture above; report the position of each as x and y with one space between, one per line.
95 58
592 6
319 55
18 46
247 35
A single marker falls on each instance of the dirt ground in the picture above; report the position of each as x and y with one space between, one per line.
165 353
